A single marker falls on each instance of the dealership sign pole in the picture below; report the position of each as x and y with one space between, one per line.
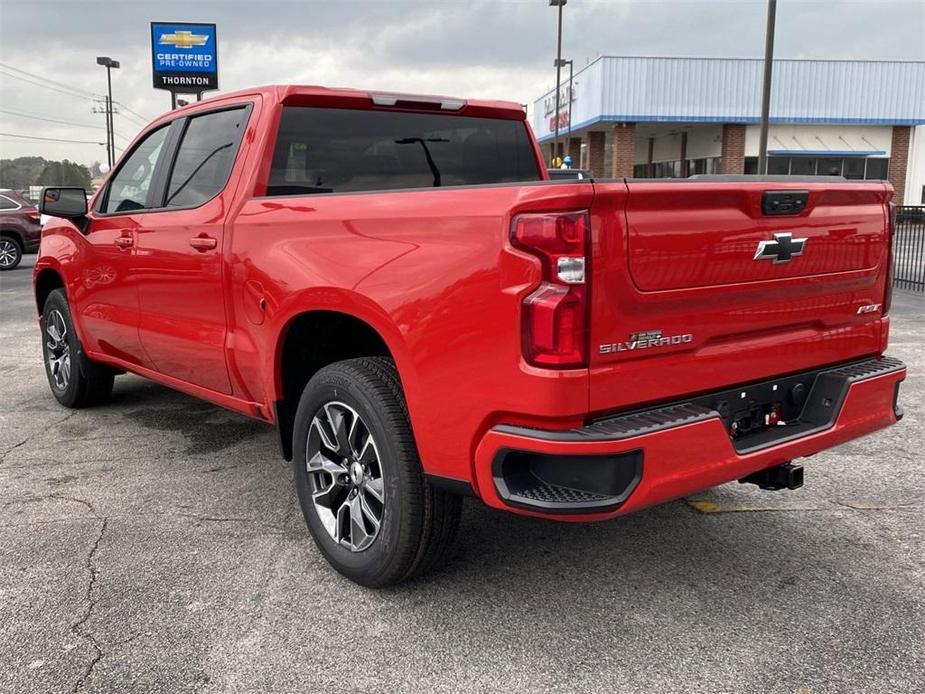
184 58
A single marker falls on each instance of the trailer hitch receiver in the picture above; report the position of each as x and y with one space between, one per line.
786 476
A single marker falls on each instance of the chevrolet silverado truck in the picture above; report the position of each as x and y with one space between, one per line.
395 284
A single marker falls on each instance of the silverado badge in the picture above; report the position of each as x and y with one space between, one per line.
645 340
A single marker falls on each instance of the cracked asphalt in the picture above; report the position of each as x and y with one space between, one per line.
154 545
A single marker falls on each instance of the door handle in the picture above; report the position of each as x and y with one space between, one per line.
203 243
124 242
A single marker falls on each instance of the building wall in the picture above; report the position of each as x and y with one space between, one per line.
728 90
733 152
667 147
641 155
840 138
915 174
704 141
899 162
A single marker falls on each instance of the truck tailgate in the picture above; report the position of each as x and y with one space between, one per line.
697 285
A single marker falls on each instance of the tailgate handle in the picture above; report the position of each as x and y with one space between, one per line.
780 202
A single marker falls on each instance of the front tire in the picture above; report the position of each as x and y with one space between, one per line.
359 479
10 253
75 381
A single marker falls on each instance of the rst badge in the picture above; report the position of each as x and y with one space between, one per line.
647 339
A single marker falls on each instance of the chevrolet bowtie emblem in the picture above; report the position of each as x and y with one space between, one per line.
781 249
183 39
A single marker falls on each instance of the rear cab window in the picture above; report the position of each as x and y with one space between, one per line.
334 150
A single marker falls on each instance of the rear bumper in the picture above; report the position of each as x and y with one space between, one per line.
633 461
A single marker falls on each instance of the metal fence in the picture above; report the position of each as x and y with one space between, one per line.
909 248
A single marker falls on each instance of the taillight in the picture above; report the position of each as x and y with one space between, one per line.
33 215
554 316
888 291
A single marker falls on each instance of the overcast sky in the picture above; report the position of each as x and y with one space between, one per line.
500 49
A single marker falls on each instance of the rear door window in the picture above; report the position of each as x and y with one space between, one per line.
205 157
326 150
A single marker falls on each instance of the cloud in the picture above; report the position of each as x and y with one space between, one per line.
498 49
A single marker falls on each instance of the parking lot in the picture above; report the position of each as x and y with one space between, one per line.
155 544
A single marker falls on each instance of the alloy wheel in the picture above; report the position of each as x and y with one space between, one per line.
57 349
9 252
345 474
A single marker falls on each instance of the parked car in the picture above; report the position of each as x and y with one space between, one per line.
20 231
568 174
396 285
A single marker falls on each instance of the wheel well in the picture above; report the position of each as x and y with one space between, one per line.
46 282
312 341
13 234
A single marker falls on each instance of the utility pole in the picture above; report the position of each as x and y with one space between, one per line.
766 90
109 64
112 133
103 107
560 4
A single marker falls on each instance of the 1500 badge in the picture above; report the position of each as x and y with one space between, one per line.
645 340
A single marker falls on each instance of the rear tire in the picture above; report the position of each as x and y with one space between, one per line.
353 447
10 253
75 381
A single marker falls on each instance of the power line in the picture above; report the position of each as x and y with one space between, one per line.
134 122
51 81
21 114
34 116
135 113
62 88
51 139
49 87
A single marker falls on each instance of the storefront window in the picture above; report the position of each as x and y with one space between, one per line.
854 168
709 165
830 167
803 166
778 166
877 169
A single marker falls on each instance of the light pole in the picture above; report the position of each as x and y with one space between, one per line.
560 4
571 66
109 64
766 91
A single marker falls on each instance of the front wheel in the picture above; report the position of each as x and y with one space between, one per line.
75 381
359 479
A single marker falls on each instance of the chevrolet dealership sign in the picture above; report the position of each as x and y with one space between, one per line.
184 57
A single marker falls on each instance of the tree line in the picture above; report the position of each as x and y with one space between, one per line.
22 172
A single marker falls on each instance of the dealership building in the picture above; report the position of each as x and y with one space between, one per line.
670 117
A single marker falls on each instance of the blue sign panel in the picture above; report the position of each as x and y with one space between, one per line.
184 56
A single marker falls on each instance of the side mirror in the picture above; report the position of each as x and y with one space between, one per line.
69 203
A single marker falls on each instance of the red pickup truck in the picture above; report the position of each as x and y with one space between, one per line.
396 285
